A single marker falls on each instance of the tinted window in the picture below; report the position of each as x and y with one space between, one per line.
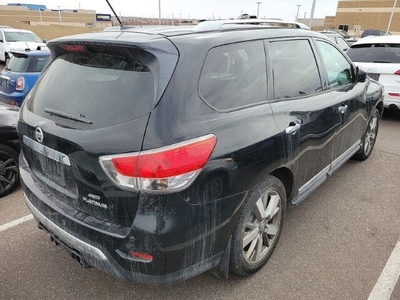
338 68
104 89
378 53
294 68
234 76
18 64
37 63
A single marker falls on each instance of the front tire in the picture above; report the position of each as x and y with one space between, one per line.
9 174
369 139
258 227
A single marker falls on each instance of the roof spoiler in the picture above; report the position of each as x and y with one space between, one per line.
218 25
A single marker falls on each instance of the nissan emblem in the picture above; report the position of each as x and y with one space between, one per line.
39 134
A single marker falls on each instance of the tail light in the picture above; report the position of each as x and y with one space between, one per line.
394 94
20 85
397 72
163 170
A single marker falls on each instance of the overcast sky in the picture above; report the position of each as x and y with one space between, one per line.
202 9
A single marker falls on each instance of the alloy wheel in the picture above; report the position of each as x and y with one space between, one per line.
262 227
371 134
8 173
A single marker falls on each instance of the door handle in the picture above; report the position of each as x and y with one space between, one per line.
343 108
293 127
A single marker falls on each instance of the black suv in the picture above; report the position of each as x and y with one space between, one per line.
158 155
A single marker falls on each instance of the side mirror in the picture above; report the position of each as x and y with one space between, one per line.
361 75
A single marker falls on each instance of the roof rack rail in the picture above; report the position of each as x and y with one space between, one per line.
217 25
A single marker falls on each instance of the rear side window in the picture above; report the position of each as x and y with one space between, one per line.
234 76
377 53
18 64
98 89
294 69
37 63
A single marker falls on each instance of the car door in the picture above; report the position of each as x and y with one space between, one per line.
349 94
305 110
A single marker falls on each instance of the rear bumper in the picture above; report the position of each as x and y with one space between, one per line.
101 249
391 102
14 99
87 254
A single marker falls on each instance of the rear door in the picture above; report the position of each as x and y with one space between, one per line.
307 112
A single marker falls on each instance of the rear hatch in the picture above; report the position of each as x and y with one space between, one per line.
94 99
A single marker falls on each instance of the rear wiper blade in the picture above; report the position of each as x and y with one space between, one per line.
58 113
382 62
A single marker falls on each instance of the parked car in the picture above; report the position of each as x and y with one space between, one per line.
20 74
380 57
12 39
342 32
168 153
373 32
9 150
337 39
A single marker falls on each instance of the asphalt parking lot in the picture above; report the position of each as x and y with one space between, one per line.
337 244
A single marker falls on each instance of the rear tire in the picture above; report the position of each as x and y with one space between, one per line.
9 173
258 227
369 139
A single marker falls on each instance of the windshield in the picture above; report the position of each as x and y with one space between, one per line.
106 89
22 37
375 53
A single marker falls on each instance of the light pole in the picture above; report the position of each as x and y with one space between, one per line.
391 16
312 14
258 8
59 14
298 9
40 14
159 12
